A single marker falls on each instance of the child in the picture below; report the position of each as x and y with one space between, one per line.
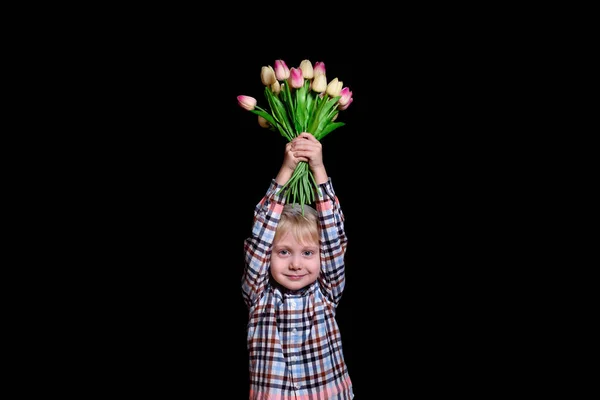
292 283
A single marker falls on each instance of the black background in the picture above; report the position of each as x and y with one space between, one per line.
178 167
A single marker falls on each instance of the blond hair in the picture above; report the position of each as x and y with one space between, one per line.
301 222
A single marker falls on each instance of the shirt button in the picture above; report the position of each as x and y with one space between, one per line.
297 386
293 305
294 358
294 331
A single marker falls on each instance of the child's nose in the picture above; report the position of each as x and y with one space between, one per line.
294 264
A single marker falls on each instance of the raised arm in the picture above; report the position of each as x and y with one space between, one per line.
333 242
257 247
333 238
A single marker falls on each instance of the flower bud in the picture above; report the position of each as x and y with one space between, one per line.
346 95
342 108
296 80
267 75
263 122
334 87
246 102
276 87
282 72
319 84
307 69
319 68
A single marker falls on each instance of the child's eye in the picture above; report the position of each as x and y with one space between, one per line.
283 252
309 253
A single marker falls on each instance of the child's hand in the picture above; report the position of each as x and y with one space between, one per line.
307 148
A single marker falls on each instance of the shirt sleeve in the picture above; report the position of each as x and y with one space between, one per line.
257 248
333 242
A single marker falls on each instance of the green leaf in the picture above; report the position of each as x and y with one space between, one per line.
301 110
329 128
280 114
266 116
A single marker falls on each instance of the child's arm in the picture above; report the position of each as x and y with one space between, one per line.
257 248
331 219
333 242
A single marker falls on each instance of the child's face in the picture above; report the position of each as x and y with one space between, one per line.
295 265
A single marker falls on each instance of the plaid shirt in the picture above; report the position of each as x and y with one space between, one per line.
294 342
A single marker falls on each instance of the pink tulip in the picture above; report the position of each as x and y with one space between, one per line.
319 68
246 102
296 79
346 95
282 72
342 108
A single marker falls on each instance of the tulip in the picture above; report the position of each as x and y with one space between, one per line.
276 87
296 79
342 108
246 102
346 95
299 99
307 69
319 84
263 122
319 68
334 87
282 72
267 75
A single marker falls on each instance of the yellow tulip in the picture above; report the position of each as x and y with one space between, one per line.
334 87
267 75
276 87
263 122
307 69
319 84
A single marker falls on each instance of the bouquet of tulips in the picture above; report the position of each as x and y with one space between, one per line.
300 100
